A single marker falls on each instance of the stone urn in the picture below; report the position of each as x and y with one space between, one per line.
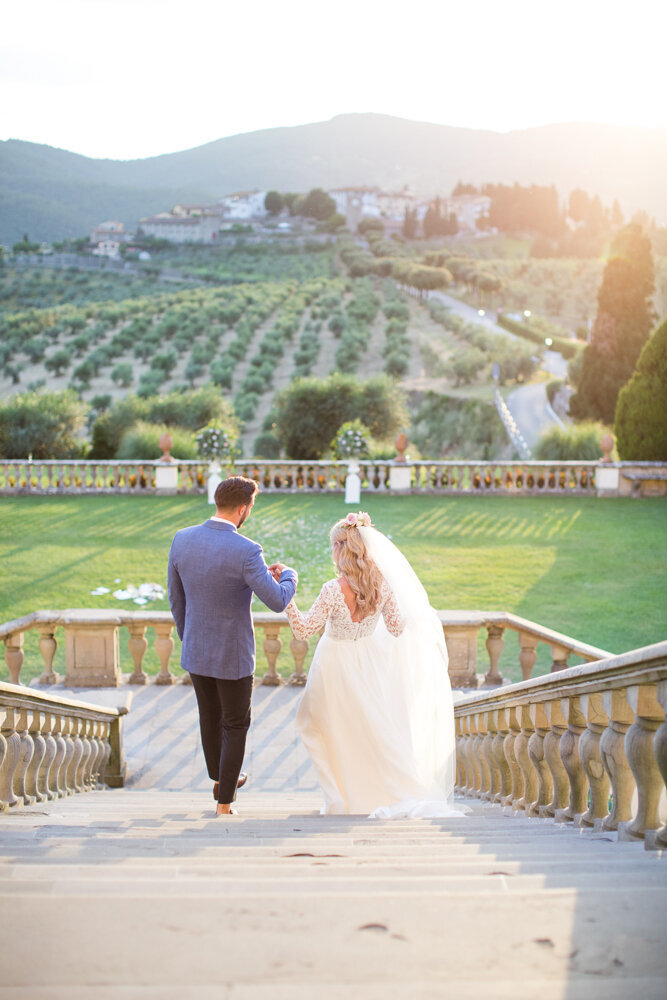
166 443
607 445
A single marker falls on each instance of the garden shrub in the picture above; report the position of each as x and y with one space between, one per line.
575 442
641 410
42 424
140 442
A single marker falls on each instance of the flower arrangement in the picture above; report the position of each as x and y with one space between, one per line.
214 444
352 440
359 520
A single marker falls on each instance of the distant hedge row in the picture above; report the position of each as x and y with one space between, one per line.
568 348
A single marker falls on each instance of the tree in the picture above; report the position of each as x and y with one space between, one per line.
274 202
58 361
317 204
122 375
370 227
641 411
310 411
622 325
409 228
42 424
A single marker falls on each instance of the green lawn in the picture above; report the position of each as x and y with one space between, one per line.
594 569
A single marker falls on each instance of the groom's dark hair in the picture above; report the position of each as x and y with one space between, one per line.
237 491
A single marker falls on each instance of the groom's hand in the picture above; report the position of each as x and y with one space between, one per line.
276 570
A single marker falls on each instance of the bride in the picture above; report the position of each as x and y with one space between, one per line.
376 716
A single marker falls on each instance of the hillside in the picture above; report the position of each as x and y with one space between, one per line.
52 193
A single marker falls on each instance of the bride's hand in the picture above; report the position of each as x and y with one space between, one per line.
276 570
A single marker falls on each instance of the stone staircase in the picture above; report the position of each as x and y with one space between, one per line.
142 892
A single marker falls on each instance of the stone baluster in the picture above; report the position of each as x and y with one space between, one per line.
657 839
559 657
45 784
515 771
466 751
649 715
473 757
48 645
26 751
494 646
569 752
106 754
501 728
164 647
484 785
66 772
561 785
545 785
81 774
137 645
76 756
57 779
495 777
10 749
523 760
97 758
14 656
299 650
527 653
460 768
612 754
39 749
272 645
597 721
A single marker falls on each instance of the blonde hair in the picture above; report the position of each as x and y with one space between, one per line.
352 561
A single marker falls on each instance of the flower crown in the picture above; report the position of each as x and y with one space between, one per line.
360 520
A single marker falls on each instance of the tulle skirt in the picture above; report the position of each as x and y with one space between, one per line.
377 721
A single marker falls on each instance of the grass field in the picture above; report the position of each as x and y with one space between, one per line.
593 569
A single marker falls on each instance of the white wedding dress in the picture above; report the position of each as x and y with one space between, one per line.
376 716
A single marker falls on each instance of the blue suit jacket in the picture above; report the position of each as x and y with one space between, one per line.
213 572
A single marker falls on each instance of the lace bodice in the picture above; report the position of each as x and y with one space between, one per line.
331 610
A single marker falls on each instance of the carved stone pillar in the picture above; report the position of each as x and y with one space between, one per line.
462 652
545 786
612 754
559 656
137 645
561 784
164 647
494 647
649 715
44 776
11 747
299 650
501 731
39 749
657 840
272 646
589 751
527 653
523 759
47 647
491 763
58 788
91 652
515 771
478 749
569 752
26 751
14 656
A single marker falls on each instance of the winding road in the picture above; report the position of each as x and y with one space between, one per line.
528 404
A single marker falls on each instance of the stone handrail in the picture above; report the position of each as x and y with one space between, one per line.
555 746
92 645
446 478
51 747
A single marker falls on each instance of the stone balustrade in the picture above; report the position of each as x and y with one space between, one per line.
92 645
586 746
524 478
51 747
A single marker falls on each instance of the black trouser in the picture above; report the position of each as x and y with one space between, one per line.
224 720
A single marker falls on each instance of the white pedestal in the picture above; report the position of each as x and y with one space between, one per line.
213 480
166 479
399 477
352 483
607 481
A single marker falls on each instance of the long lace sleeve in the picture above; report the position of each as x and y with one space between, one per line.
392 616
305 625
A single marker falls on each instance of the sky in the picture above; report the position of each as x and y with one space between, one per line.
128 79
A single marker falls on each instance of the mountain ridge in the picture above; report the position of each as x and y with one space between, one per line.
52 193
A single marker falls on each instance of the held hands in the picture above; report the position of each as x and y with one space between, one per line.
276 570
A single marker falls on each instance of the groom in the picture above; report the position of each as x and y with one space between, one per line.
212 574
